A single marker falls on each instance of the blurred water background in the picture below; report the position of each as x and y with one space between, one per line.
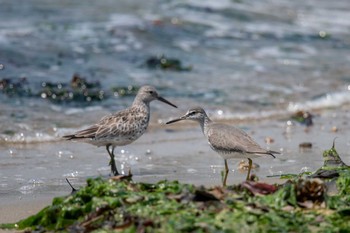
249 62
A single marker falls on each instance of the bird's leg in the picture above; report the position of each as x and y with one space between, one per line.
249 168
225 174
112 161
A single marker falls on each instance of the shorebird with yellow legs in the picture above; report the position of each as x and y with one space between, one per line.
228 141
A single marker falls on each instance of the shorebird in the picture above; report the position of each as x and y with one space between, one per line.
123 127
228 141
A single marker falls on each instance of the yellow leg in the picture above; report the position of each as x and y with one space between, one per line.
225 175
249 168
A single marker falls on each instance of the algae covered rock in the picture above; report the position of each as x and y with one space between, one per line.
332 165
166 63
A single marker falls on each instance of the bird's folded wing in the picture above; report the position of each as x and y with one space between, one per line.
229 138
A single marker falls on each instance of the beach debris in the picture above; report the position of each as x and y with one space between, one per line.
258 188
244 165
269 140
305 145
332 165
78 82
310 192
166 63
303 118
332 159
142 207
301 202
17 87
123 177
78 90
334 129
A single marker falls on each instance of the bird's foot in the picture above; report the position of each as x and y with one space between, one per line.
123 177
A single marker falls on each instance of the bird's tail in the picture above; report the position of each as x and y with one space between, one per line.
69 137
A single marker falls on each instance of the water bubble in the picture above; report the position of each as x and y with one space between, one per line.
26 189
72 174
35 181
322 34
65 154
12 152
148 152
191 170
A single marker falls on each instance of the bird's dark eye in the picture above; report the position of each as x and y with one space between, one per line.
191 113
151 92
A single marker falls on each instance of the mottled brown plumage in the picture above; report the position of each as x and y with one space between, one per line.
123 127
228 141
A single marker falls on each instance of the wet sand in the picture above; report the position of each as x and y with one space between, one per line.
13 210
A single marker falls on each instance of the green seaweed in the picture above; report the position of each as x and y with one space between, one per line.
170 206
166 63
333 166
78 90
19 87
302 204
332 159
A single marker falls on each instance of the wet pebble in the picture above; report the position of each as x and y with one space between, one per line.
305 146
269 140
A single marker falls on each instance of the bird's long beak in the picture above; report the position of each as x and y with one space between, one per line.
165 101
176 120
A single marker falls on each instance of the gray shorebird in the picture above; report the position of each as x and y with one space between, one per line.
123 127
228 141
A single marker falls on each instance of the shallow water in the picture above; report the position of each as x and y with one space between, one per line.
253 64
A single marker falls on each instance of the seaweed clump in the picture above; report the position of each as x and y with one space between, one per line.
333 166
18 87
79 90
175 207
166 63
304 118
300 205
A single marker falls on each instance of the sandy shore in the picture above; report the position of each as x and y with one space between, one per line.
173 153
15 210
